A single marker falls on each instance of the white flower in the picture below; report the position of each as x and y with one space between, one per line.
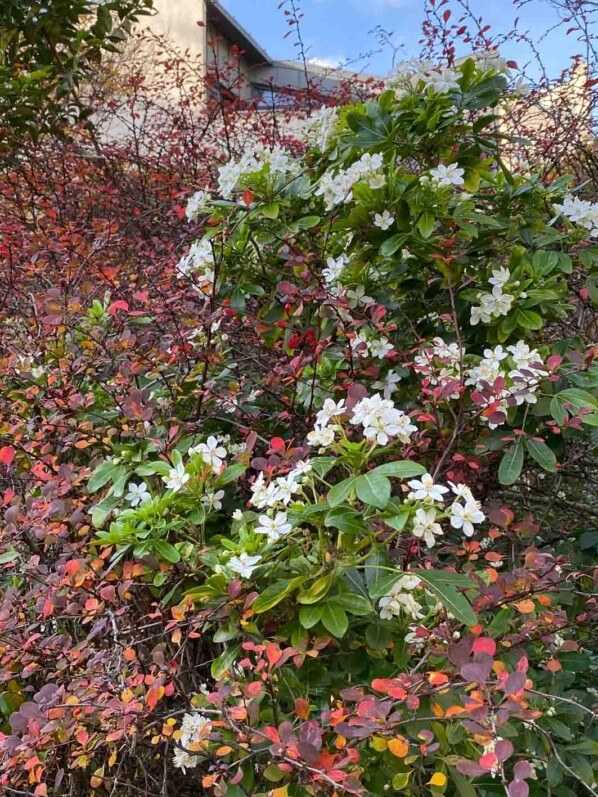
377 181
196 203
194 726
321 126
425 488
334 268
380 348
177 478
381 420
464 516
244 564
286 486
495 355
461 491
384 220
200 256
331 409
263 495
442 81
424 526
389 385
273 527
238 514
360 345
399 599
302 467
581 211
447 175
213 500
500 277
138 494
212 453
321 438
184 760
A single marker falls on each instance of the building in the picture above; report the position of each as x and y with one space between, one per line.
231 55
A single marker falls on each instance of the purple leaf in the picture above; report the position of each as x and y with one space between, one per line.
518 788
522 770
503 750
514 683
469 768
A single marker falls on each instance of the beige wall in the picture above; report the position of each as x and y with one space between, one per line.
178 20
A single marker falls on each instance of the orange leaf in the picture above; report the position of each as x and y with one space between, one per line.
437 678
398 747
526 607
302 708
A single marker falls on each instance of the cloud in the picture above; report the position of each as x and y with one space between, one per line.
326 63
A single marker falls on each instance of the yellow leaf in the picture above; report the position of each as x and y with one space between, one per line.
438 779
379 744
282 791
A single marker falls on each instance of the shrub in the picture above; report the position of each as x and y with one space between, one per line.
311 567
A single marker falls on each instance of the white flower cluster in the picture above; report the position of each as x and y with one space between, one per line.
229 174
194 730
521 382
381 420
322 435
582 212
199 261
462 515
411 74
400 599
320 127
495 304
281 490
198 202
337 187
441 363
363 346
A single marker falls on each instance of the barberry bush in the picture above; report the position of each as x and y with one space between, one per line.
313 514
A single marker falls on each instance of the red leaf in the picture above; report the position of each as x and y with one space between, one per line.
120 304
484 645
7 454
488 761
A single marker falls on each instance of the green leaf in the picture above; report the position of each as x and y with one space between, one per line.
353 603
378 636
151 468
402 469
511 464
104 473
334 619
397 522
543 455
373 489
382 586
101 511
344 519
166 551
318 589
528 319
578 399
322 465
223 662
426 224
558 412
271 210
392 245
275 593
310 615
231 474
341 491
445 586
8 556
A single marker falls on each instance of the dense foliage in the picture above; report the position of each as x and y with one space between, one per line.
306 507
47 50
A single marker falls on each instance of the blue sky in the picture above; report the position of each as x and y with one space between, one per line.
342 30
